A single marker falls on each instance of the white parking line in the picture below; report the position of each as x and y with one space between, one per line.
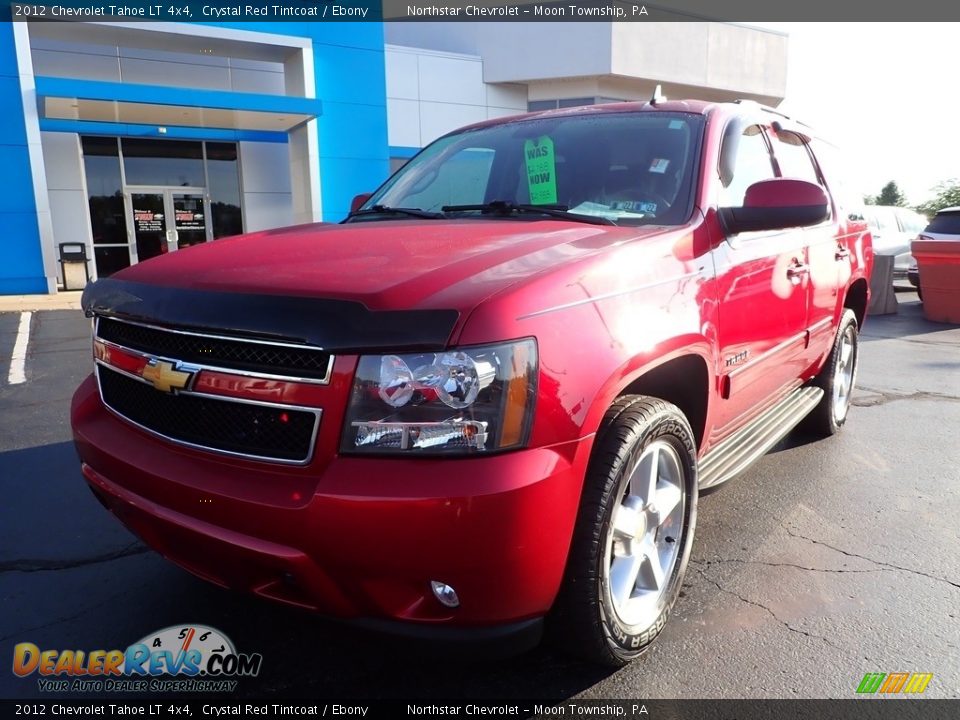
18 362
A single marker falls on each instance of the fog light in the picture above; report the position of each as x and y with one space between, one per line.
445 594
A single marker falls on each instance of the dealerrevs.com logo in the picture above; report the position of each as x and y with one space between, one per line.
180 658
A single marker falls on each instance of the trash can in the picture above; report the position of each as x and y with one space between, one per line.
939 264
73 266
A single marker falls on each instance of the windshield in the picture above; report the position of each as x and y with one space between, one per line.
630 168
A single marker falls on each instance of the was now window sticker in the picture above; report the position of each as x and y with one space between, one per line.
541 170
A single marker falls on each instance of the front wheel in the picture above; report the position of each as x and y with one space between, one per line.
633 535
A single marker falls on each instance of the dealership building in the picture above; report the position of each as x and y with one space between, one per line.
123 141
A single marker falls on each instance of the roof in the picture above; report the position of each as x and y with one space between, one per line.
699 107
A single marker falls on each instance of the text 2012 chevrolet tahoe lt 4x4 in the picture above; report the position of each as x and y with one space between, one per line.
484 404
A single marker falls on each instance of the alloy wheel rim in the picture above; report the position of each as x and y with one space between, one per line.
645 535
843 376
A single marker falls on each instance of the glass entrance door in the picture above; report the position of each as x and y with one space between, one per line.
165 220
149 226
190 219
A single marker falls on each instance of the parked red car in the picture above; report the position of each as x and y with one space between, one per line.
486 401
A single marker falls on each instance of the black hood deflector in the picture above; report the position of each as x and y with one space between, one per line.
334 325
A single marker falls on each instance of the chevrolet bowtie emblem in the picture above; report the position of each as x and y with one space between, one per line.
165 376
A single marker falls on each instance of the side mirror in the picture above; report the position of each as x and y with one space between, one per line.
777 204
358 201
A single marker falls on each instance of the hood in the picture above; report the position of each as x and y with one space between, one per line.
384 264
360 285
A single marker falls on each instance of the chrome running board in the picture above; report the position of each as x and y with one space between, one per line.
735 454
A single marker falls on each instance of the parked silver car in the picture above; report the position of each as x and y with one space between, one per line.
893 229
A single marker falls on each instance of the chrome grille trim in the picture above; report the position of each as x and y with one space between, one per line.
325 380
316 412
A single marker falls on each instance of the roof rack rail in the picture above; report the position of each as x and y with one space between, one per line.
747 101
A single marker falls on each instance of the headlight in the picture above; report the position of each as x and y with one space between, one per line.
459 401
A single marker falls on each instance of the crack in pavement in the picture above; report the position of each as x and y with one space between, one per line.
770 612
887 396
720 561
27 566
881 563
57 621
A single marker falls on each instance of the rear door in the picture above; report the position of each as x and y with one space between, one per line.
827 253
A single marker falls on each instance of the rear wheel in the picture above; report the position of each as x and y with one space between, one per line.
837 379
633 535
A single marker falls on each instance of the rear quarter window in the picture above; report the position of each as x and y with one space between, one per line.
948 223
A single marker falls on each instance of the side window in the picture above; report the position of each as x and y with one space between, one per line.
462 180
836 173
910 221
793 158
751 164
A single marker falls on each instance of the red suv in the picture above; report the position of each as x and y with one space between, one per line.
485 403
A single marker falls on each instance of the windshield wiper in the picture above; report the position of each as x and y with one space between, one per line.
387 210
502 207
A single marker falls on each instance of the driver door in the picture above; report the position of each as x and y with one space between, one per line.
762 284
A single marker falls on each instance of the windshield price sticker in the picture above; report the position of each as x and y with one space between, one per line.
541 170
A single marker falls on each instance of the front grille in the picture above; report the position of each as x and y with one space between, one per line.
226 353
263 431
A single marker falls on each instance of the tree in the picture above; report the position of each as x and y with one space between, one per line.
889 195
947 195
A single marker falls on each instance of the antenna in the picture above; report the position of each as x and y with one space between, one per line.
658 96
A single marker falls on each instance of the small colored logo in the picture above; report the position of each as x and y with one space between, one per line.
892 683
165 376
196 657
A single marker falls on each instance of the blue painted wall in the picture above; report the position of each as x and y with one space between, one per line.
351 84
21 263
351 132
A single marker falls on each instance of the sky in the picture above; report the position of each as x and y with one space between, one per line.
885 93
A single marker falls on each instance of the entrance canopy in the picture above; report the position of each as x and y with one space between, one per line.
157 74
61 99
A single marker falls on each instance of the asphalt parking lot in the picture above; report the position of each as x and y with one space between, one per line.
823 562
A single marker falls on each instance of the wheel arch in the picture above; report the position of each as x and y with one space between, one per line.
682 378
683 381
856 299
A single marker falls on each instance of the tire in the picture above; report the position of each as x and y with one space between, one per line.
614 602
837 378
919 294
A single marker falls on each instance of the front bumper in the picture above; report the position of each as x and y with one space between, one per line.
353 538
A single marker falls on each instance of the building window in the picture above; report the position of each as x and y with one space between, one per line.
163 162
538 105
576 102
105 195
223 184
151 173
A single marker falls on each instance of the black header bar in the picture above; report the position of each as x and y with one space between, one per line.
743 11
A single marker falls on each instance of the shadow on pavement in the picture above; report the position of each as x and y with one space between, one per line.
71 576
907 321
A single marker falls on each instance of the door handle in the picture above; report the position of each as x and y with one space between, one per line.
841 254
796 272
